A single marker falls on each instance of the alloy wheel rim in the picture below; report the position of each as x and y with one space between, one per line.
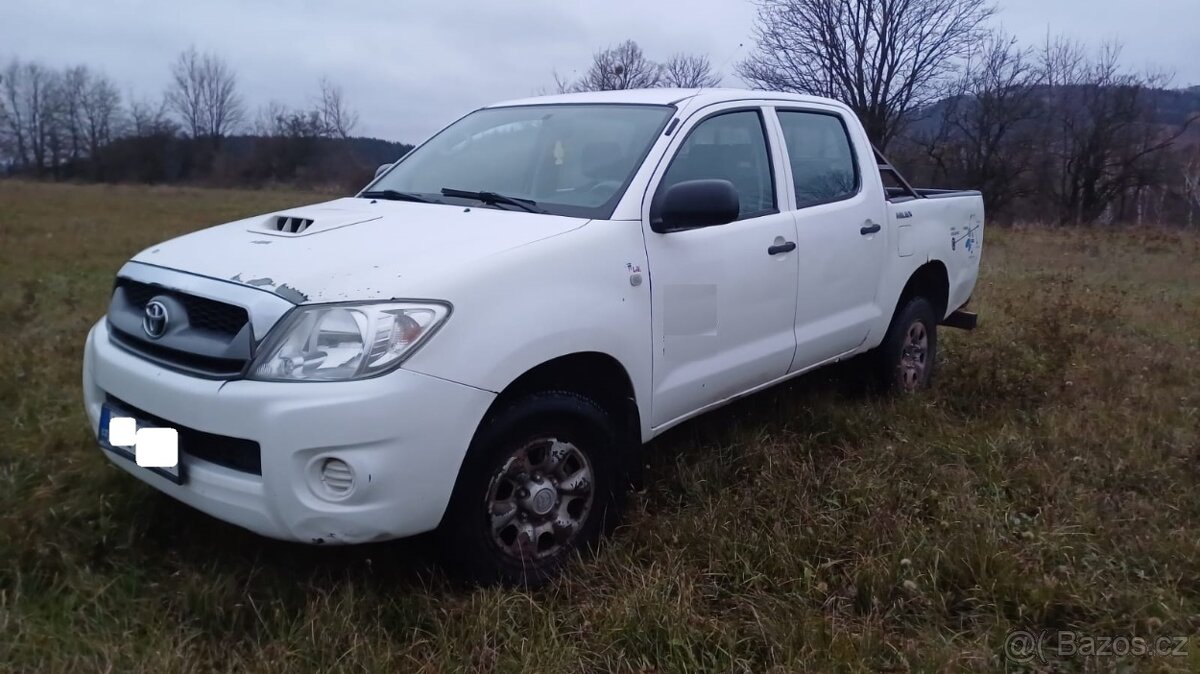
914 356
539 499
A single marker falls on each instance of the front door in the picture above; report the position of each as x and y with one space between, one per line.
724 300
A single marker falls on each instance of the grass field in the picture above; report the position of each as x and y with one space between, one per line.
1050 481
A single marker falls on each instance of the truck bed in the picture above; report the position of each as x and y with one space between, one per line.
899 194
899 190
948 226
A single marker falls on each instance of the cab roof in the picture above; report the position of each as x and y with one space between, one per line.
699 97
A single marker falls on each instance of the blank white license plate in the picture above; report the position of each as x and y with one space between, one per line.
108 411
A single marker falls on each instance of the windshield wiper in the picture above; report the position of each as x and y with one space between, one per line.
493 198
393 195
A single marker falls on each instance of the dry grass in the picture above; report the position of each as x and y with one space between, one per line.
1050 481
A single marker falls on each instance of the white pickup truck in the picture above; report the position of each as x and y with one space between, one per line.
482 340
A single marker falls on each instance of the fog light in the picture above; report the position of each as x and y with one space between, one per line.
336 477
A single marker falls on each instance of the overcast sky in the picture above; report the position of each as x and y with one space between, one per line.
411 66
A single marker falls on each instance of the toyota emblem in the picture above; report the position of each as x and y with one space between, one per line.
154 322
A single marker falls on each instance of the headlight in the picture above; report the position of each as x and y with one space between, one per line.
335 342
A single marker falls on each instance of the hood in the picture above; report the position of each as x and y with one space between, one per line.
352 249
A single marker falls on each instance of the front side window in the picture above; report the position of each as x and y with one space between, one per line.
731 146
571 160
823 167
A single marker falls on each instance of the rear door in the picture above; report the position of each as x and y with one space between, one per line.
841 243
724 306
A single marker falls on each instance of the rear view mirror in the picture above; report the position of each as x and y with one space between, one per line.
694 204
382 169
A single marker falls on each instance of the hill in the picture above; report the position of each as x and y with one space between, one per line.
1171 107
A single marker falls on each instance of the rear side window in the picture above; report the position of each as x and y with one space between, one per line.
823 166
730 146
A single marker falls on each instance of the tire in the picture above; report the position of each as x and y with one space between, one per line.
908 355
541 482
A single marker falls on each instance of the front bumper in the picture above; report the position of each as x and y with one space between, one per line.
404 436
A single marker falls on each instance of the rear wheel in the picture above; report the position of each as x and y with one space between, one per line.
908 354
538 485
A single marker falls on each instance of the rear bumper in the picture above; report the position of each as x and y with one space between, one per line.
403 435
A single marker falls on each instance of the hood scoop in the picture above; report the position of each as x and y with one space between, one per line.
291 224
307 221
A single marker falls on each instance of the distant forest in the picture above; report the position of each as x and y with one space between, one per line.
240 160
74 124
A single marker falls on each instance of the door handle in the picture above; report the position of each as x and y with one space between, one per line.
785 247
869 228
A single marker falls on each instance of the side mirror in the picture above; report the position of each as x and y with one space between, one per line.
382 169
693 204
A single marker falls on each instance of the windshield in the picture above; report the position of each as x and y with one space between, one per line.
572 160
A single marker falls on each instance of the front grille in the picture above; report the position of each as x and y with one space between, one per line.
202 336
201 311
235 453
165 355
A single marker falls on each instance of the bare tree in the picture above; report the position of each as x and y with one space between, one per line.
276 120
149 152
222 104
11 91
54 120
203 93
562 85
31 99
689 71
100 110
74 84
621 67
1100 141
985 136
149 118
7 143
266 120
185 94
625 66
329 117
1191 186
337 118
884 58
57 123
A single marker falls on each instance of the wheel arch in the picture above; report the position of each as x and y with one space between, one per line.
592 374
931 281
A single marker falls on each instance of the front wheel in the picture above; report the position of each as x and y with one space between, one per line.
538 485
907 356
